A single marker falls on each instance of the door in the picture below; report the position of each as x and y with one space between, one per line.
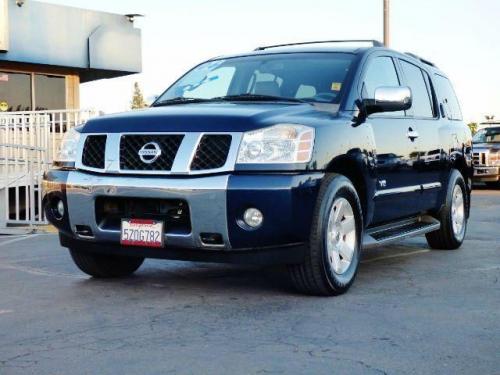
424 116
397 186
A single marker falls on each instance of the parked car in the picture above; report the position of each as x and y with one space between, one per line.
268 157
486 156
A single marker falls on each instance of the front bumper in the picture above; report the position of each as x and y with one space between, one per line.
487 174
216 204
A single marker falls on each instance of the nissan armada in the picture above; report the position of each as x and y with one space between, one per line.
303 154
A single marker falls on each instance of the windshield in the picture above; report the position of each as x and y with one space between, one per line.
491 135
315 77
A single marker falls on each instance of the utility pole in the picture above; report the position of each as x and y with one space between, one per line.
386 23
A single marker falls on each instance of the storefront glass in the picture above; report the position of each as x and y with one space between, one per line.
15 92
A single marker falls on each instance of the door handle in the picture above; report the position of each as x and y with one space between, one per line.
412 134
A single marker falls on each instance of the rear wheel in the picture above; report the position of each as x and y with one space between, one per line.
453 216
334 249
105 266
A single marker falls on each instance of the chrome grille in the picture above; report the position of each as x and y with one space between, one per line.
211 152
94 151
480 158
192 153
130 145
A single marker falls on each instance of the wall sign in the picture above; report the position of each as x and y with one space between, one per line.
4 25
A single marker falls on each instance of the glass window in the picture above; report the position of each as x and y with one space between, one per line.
316 77
421 101
15 92
490 135
380 72
447 96
50 92
260 81
305 91
213 83
431 92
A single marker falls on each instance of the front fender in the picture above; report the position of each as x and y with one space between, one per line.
351 151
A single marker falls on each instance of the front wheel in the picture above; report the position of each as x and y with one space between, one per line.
105 266
453 216
334 249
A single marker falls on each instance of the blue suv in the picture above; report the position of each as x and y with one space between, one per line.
302 154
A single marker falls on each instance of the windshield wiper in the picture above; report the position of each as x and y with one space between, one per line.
258 97
179 100
239 97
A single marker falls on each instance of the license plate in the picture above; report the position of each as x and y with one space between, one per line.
480 172
140 232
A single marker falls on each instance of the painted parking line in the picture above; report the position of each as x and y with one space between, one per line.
14 240
9 236
40 272
32 270
407 254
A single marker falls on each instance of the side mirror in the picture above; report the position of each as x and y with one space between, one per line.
387 99
392 99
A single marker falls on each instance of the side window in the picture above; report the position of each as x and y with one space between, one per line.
447 96
381 72
432 93
422 104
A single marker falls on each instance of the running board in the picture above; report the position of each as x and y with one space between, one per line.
384 234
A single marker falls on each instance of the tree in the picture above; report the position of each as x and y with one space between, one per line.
473 127
138 101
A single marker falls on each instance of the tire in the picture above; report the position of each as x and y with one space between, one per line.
105 266
323 272
451 236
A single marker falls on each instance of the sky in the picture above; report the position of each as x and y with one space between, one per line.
462 37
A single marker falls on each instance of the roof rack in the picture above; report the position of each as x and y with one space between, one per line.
375 43
420 59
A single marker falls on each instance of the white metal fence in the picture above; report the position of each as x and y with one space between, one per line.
28 143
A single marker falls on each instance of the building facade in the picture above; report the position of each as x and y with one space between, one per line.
47 50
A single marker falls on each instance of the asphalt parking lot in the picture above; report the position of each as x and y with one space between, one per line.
410 310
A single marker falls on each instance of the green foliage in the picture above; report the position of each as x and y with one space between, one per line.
473 127
138 101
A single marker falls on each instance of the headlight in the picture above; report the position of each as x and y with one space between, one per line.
68 147
284 143
494 159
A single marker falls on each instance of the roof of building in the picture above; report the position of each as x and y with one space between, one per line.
94 44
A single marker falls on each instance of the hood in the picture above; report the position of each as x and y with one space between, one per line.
494 147
208 117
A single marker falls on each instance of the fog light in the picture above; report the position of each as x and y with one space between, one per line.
253 217
58 209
